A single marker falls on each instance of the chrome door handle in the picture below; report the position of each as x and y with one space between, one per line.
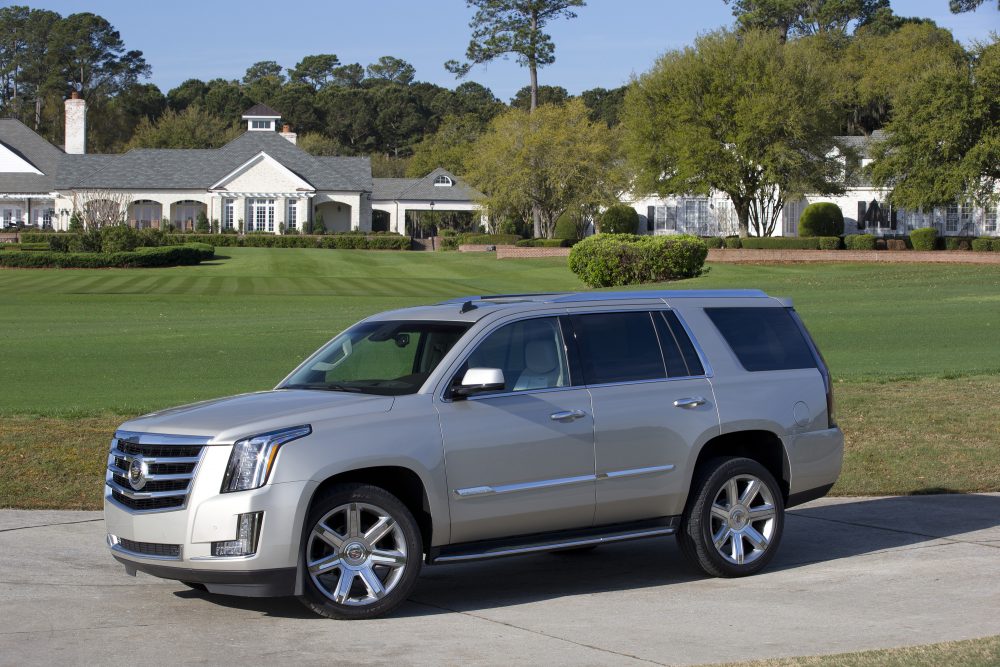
691 402
567 414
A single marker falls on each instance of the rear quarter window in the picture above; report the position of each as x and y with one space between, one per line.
763 339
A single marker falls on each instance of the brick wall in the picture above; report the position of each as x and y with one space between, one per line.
513 252
743 256
474 247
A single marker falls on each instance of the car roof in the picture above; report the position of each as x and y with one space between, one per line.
473 308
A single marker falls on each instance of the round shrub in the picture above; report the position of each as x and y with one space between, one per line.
567 227
614 260
957 243
734 242
985 245
712 241
821 219
119 238
924 239
859 242
619 219
829 243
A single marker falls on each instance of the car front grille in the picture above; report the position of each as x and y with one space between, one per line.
149 548
164 467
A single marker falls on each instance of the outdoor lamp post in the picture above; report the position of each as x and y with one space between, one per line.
432 225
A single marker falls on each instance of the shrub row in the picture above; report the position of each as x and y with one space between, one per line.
182 255
544 243
613 260
452 242
986 245
859 242
24 246
112 239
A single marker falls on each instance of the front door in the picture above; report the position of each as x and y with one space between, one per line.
520 460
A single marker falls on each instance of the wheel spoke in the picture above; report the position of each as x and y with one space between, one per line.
749 493
353 520
720 512
372 582
343 590
762 512
756 539
322 565
737 552
382 527
732 492
720 538
330 537
388 558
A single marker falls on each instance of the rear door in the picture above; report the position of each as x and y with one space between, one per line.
652 401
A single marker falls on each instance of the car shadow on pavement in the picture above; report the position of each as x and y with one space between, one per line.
813 534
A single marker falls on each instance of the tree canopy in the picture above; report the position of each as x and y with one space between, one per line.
742 114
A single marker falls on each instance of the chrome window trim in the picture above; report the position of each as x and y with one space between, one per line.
488 490
707 367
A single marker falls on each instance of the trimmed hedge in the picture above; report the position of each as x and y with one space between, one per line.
183 255
957 243
859 242
734 242
452 242
64 242
619 219
986 244
614 260
544 243
924 239
24 246
821 219
829 243
712 241
781 243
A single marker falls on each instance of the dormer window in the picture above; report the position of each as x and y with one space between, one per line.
443 181
262 125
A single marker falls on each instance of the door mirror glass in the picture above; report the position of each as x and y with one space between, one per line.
477 380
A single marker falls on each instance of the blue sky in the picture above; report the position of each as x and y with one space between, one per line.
609 40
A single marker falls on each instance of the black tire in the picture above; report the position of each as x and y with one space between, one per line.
697 533
320 589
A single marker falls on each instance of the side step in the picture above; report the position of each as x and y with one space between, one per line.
564 539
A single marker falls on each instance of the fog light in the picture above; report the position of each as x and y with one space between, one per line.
247 535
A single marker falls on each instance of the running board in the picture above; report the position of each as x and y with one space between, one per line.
564 539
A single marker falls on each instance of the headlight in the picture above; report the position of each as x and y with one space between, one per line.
252 458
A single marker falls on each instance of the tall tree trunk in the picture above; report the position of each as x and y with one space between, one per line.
536 214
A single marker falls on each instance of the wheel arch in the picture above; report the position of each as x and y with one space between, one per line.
760 445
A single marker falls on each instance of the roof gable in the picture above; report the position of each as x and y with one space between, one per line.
262 173
261 111
423 189
12 161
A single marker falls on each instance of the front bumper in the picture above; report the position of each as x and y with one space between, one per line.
177 543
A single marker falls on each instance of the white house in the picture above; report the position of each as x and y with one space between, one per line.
261 181
864 207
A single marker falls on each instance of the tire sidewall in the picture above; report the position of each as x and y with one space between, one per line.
372 495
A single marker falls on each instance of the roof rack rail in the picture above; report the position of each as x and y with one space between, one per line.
572 297
488 297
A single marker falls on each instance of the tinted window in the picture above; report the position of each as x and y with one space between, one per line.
690 355
672 356
530 353
763 339
618 347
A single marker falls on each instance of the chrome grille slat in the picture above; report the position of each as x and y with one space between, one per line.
171 464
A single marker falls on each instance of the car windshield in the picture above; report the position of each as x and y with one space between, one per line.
385 358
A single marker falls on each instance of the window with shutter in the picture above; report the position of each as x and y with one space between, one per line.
862 210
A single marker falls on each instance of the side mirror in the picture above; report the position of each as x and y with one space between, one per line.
479 380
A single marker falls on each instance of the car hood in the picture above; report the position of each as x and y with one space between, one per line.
229 419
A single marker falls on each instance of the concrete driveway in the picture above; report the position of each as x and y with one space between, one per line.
852 574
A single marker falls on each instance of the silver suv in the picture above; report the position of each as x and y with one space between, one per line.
484 427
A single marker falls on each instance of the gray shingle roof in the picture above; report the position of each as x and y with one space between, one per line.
861 143
261 110
423 189
36 150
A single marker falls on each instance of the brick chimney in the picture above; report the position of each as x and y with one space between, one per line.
286 132
76 124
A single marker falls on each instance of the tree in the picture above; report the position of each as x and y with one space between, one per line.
450 147
960 6
348 76
604 105
192 128
24 36
348 117
804 17
548 161
394 70
317 71
544 94
743 114
943 141
87 50
263 81
191 91
225 100
504 27
317 143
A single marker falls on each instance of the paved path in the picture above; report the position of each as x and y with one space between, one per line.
852 574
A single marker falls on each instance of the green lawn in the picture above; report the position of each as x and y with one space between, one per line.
914 349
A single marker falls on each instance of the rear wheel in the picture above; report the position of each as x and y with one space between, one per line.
734 519
362 553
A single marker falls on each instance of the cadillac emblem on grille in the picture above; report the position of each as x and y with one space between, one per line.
137 471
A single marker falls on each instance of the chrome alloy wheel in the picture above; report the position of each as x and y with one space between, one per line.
356 554
743 519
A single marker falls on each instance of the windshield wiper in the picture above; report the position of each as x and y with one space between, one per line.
325 387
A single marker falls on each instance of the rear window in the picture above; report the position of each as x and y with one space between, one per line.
763 339
618 347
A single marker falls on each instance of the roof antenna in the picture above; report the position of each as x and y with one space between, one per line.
467 306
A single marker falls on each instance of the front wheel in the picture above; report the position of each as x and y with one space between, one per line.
362 553
734 519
